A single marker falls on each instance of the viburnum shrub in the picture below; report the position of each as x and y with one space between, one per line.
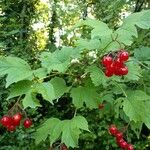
90 81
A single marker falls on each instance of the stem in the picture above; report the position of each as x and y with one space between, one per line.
23 110
13 107
75 112
143 65
126 127
107 46
54 74
119 43
84 75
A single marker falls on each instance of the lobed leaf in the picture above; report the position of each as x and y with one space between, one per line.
97 75
15 68
136 107
67 130
87 95
58 60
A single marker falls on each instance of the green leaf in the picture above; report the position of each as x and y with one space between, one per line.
90 22
136 127
67 130
48 128
142 53
15 68
126 33
141 19
100 29
59 86
56 132
134 71
128 30
80 122
40 73
136 107
113 46
30 100
88 44
52 90
47 91
87 95
58 60
70 135
71 130
97 75
20 88
25 88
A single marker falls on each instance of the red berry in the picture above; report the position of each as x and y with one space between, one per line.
107 60
118 63
117 71
123 144
11 128
109 73
110 67
119 141
27 123
124 56
16 119
119 136
6 120
123 71
101 106
130 147
113 130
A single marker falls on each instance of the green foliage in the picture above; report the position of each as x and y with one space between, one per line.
141 19
128 30
69 130
134 71
58 60
88 44
100 29
85 94
142 54
54 81
50 91
97 76
136 107
15 68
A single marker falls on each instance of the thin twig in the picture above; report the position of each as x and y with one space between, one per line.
126 127
13 107
75 112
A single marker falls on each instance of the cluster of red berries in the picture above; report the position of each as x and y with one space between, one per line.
116 66
11 122
119 138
